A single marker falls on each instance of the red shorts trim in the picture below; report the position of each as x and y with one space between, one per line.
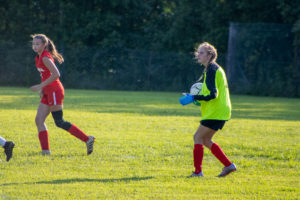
52 98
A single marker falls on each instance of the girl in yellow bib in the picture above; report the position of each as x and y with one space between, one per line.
215 109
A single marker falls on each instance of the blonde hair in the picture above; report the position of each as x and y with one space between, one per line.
210 49
50 47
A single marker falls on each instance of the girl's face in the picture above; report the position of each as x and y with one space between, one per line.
37 45
202 56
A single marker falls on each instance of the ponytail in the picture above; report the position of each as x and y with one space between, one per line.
52 50
50 47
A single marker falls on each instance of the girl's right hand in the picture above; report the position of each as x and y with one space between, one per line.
187 99
41 93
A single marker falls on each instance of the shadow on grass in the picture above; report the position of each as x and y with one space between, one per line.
56 155
80 180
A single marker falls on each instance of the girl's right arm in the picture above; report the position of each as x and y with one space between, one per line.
54 75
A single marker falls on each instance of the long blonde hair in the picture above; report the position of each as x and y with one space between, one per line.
210 49
50 47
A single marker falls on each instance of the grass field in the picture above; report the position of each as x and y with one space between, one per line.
143 148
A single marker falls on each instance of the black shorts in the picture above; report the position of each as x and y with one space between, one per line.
213 124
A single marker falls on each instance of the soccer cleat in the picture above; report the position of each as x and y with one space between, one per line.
90 145
200 174
46 152
8 149
227 170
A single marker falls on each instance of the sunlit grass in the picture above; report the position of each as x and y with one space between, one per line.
143 148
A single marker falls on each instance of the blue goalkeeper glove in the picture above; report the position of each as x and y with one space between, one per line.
187 99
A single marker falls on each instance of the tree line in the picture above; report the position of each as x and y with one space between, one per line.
149 31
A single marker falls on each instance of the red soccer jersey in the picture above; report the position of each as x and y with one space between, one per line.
45 72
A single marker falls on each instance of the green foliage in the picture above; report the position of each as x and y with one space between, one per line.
166 25
148 26
108 68
257 51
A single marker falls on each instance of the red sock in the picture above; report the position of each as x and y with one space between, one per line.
217 151
198 157
44 140
74 130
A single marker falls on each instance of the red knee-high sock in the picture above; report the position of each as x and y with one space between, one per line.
198 157
44 140
217 151
74 130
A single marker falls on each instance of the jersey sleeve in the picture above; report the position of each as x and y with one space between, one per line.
210 84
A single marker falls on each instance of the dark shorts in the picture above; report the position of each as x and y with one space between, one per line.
213 124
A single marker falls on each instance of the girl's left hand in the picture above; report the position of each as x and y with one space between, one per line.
36 87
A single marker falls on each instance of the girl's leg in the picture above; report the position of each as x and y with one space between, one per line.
42 113
57 114
206 138
217 151
198 147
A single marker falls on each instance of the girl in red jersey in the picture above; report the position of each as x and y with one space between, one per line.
52 94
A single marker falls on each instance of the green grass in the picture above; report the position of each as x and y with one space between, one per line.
143 148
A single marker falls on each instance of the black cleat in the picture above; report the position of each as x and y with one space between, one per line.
90 145
8 149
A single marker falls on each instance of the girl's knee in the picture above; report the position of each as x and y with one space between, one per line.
207 142
198 139
39 121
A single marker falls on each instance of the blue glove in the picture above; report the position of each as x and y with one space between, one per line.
184 100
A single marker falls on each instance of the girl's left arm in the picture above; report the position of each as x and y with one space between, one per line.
211 86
